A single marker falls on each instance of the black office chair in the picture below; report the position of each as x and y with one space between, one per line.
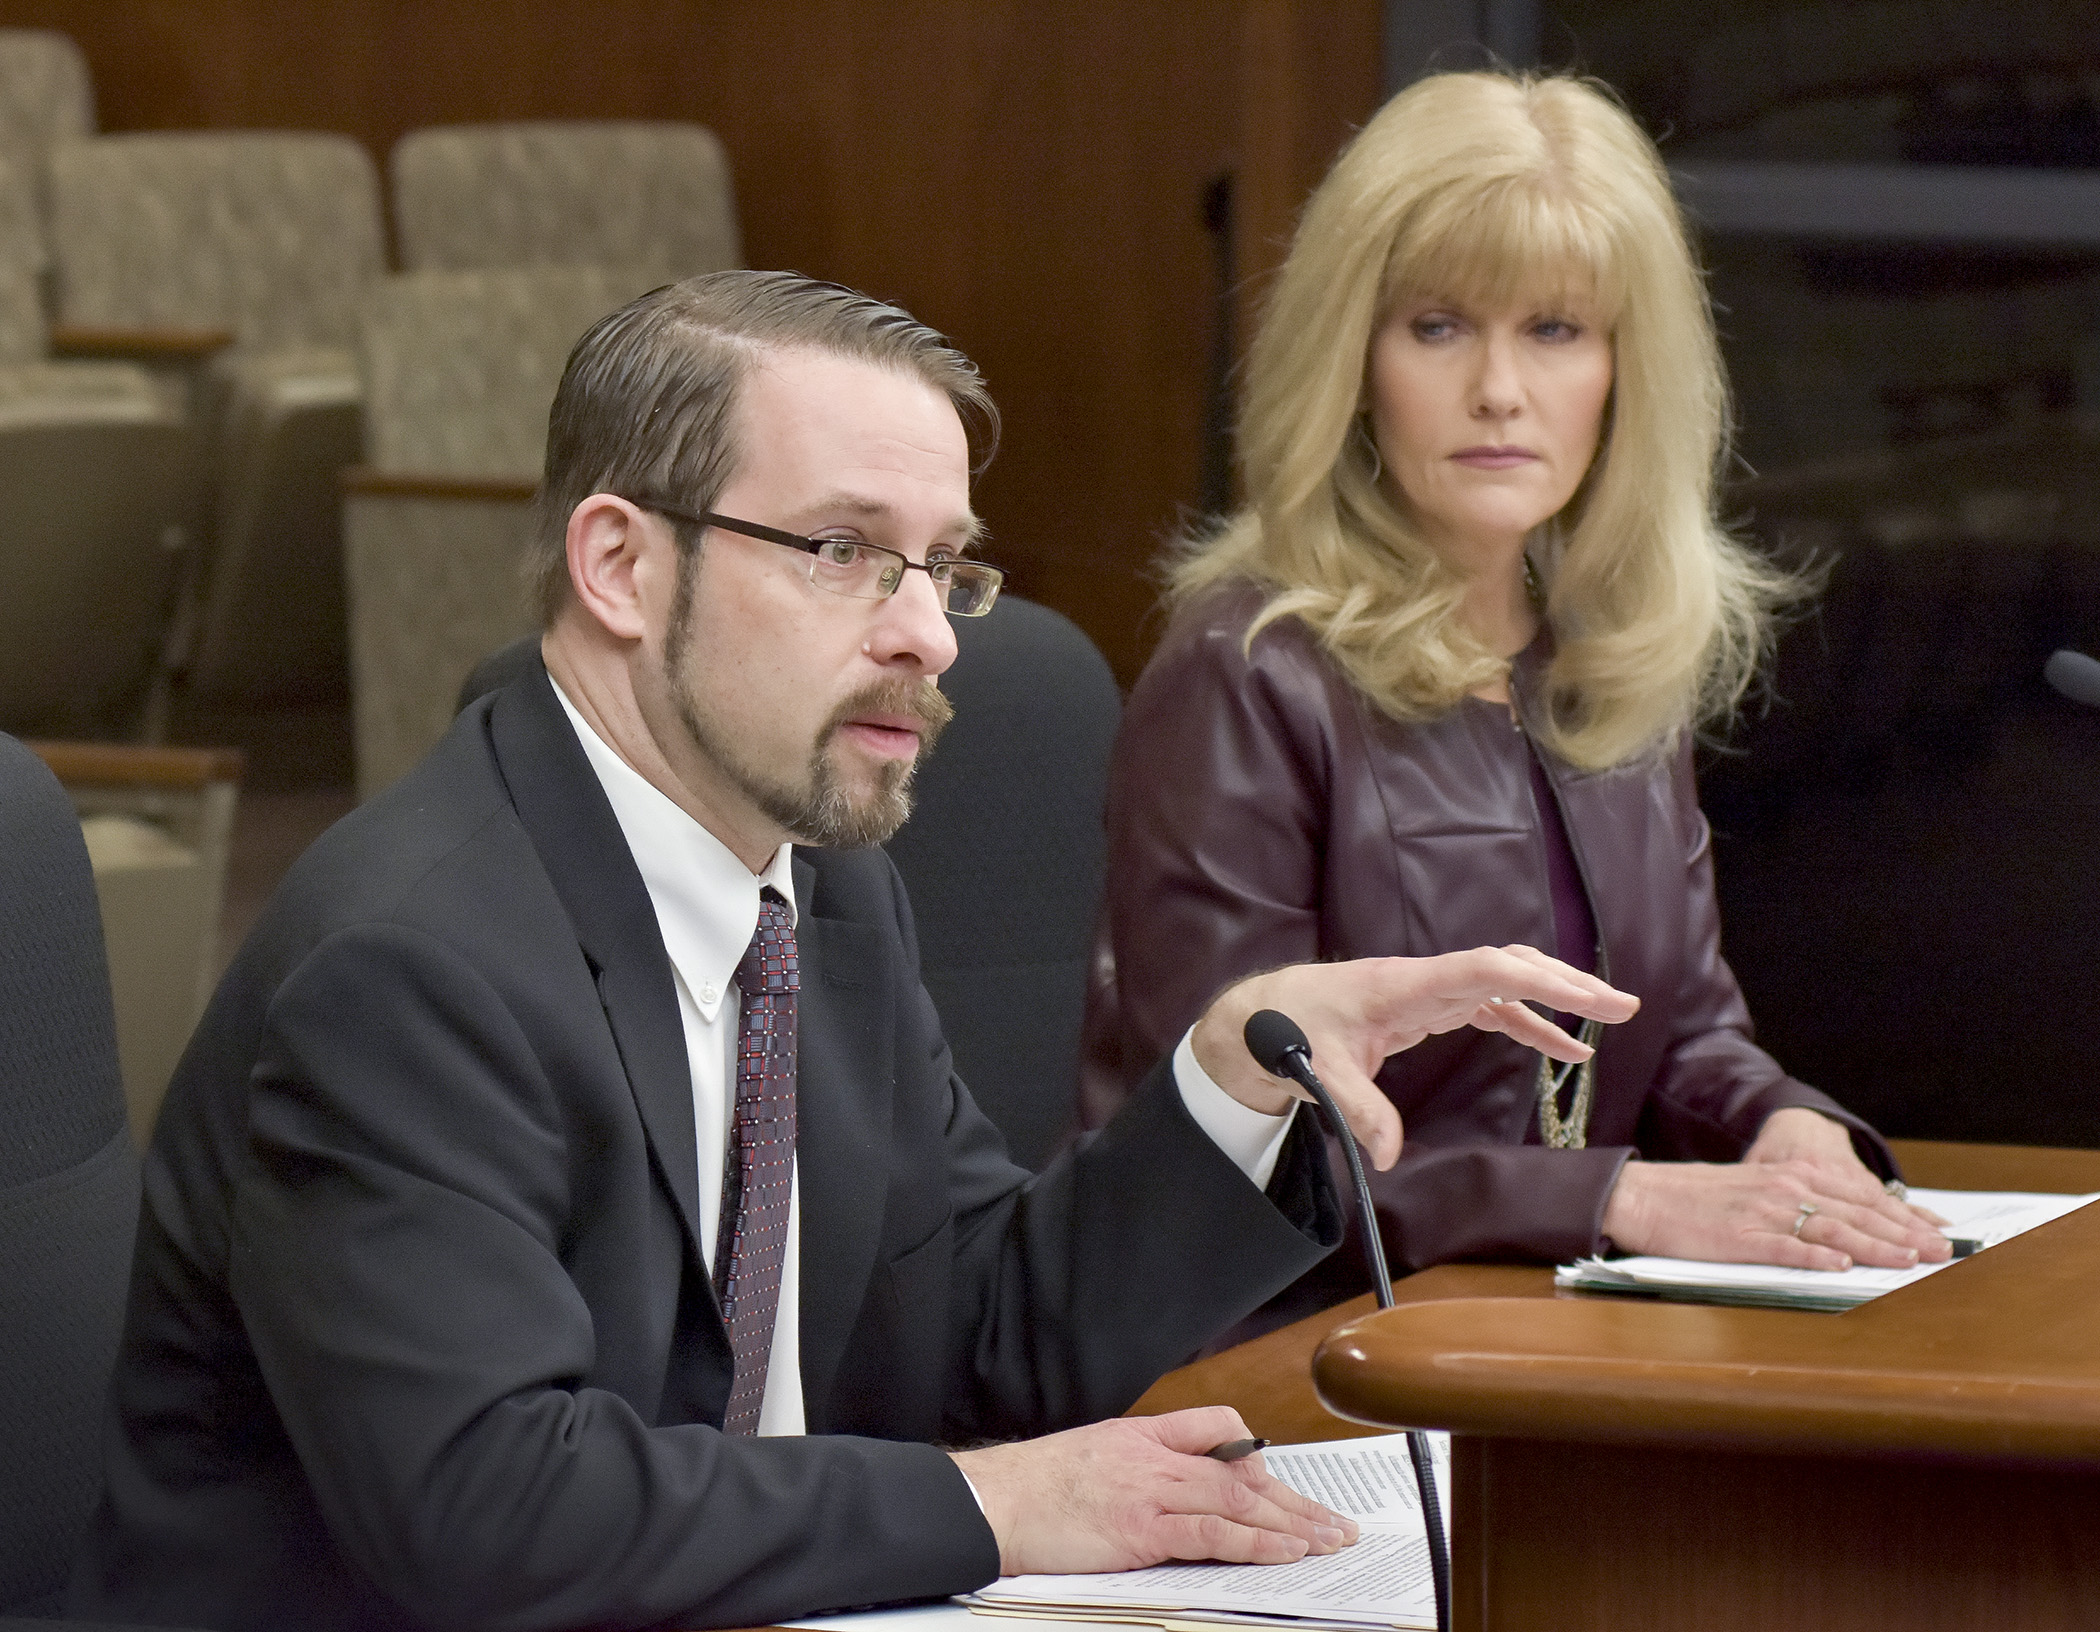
1003 857
69 1186
497 670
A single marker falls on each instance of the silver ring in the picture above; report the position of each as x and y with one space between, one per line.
1896 1188
1808 1210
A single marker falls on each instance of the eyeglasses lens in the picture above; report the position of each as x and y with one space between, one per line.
969 589
965 588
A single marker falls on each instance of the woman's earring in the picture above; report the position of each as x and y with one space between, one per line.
1363 430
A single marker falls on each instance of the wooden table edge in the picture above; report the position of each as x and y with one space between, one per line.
1270 1378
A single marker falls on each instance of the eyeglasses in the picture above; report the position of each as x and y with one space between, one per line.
864 572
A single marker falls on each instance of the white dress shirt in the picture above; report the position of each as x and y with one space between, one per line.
706 905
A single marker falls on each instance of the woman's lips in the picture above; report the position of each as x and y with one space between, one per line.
1494 458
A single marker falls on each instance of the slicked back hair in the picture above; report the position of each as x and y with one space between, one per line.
647 402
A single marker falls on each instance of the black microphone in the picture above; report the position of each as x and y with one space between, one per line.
2075 675
1279 1048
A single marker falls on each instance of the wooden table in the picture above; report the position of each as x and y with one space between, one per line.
1930 1460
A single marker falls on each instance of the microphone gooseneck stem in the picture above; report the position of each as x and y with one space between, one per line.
1419 1454
1300 1067
1295 1062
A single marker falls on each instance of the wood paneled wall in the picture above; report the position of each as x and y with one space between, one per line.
1026 177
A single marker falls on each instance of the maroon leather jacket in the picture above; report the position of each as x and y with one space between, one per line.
1261 812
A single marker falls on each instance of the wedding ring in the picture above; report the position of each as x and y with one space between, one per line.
1808 1208
1896 1188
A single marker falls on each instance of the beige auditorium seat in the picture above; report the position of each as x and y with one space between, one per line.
269 239
101 500
654 196
46 97
159 827
460 369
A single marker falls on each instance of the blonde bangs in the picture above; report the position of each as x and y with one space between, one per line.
1521 238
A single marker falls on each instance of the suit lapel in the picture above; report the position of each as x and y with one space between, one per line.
846 1069
571 825
845 1079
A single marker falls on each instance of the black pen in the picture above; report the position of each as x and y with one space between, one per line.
1234 1449
1963 1247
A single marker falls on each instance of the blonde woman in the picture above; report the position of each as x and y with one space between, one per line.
1435 686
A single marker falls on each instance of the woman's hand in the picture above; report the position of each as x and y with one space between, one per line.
1745 1212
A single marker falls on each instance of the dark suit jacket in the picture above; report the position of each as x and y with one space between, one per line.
419 1332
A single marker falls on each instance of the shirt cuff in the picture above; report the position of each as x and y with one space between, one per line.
1251 1139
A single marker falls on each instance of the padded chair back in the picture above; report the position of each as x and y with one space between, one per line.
94 517
46 97
460 368
23 335
68 1185
497 670
96 468
273 235
1003 857
655 196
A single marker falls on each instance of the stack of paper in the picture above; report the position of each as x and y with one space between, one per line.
1986 1217
1380 1584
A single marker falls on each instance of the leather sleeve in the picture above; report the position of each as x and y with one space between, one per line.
1217 803
1446 1204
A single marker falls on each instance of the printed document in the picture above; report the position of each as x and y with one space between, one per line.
1379 1584
1987 1217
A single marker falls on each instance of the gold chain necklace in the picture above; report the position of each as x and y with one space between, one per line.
1572 1130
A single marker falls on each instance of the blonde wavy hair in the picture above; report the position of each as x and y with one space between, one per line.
1491 188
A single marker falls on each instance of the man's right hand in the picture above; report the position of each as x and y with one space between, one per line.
1356 1014
1134 1491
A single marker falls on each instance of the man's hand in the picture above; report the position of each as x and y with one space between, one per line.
1357 1014
1745 1212
1133 1491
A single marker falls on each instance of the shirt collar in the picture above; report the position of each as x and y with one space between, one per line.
706 900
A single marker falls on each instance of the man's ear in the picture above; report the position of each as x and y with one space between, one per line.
616 552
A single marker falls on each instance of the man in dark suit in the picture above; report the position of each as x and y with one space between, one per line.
566 1214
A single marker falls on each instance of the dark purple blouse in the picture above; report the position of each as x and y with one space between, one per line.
1574 925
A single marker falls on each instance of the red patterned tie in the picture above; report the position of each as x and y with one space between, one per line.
763 1138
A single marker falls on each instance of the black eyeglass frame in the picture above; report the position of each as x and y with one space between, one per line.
941 571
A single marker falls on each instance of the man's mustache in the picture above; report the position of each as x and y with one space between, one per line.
921 699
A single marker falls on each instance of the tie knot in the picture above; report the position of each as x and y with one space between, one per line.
769 963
